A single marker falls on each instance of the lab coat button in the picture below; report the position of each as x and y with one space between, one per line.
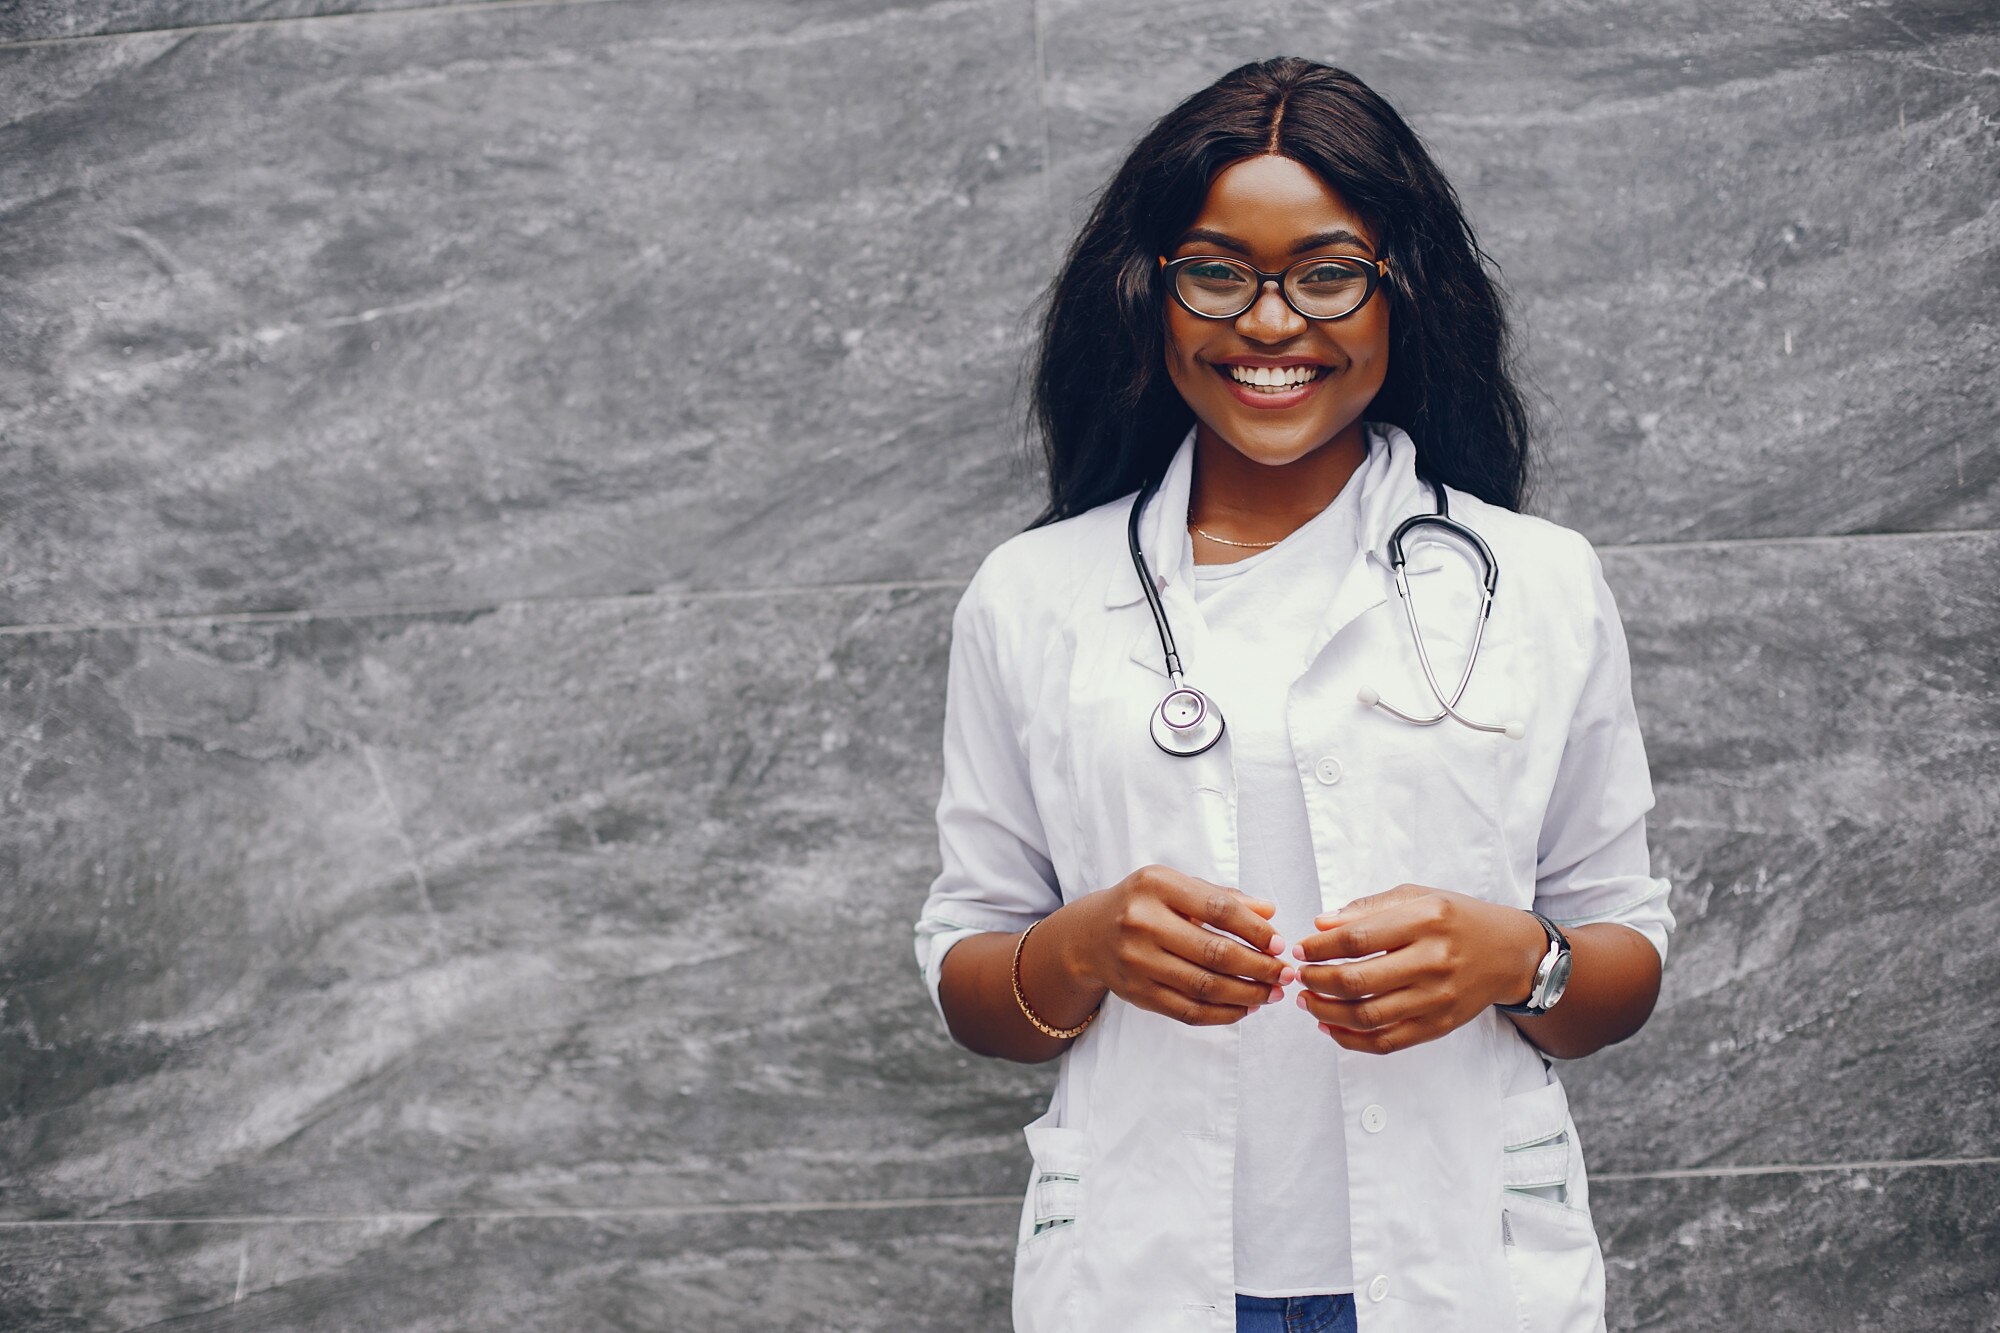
1373 1118
1327 770
1378 1287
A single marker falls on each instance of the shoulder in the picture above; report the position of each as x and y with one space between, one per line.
1041 575
1551 583
1531 549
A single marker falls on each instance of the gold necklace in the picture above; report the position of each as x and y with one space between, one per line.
1224 541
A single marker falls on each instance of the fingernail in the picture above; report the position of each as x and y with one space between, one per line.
1327 1030
1288 976
1302 1001
1276 995
1299 952
1277 944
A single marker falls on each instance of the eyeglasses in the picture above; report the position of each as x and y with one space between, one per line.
1326 287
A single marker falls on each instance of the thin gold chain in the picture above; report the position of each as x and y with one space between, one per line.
1224 541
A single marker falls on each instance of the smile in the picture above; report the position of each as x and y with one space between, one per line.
1272 387
1274 378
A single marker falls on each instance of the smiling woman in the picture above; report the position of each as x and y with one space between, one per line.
1273 367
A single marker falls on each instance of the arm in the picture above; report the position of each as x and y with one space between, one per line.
1145 938
1612 987
1445 957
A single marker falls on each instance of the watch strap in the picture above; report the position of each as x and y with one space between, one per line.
1558 945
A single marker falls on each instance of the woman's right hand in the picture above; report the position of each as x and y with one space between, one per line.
1145 939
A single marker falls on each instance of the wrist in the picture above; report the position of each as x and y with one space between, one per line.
1551 973
1066 954
1528 943
1048 985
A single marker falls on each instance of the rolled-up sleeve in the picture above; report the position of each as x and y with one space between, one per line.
1591 861
996 873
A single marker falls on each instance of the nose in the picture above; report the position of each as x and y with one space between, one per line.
1270 318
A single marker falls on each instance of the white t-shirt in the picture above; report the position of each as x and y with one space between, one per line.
1263 613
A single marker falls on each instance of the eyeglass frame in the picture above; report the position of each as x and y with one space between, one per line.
1375 270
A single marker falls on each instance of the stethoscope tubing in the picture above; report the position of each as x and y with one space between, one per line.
1489 582
1188 723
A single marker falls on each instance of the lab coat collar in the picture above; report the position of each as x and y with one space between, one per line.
1163 535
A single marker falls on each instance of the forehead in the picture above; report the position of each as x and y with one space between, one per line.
1272 201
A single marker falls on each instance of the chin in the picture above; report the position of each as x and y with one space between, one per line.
1275 443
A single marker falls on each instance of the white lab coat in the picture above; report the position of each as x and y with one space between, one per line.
1457 1149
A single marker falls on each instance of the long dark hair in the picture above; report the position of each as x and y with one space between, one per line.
1109 417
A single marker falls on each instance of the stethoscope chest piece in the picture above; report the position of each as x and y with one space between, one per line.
1186 723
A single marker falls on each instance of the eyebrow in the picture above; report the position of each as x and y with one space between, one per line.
1317 241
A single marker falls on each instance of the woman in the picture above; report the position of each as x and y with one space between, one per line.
1272 347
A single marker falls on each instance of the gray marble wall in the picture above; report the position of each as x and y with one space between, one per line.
484 487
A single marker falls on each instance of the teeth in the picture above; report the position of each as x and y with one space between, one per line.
1274 377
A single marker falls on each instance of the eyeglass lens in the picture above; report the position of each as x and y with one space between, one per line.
1319 289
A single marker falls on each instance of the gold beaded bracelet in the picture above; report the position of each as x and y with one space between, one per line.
1022 1000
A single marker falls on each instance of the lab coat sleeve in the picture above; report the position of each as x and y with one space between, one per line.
1591 860
996 872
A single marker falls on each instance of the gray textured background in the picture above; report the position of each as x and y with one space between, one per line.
484 487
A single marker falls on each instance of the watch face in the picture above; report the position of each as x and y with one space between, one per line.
1558 980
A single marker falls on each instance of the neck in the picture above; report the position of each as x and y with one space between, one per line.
1246 501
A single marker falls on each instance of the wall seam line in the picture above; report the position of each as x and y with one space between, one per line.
286 20
668 1211
1790 1169
806 33
197 619
1042 107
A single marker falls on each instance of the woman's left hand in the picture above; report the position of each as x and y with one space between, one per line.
1441 959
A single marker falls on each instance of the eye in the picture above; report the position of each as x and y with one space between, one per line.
1328 276
1215 276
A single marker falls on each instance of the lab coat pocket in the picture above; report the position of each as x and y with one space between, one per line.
1552 1252
1053 1216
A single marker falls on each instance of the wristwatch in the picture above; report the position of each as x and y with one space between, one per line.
1551 974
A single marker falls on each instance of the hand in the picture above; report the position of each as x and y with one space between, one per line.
1441 959
1144 939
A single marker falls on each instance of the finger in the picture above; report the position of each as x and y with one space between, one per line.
1353 980
1219 953
1372 1014
1368 903
1381 930
1211 987
1185 1009
1383 1041
1224 908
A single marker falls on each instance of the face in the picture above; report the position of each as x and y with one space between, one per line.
1271 212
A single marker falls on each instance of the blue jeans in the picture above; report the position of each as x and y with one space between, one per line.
1294 1314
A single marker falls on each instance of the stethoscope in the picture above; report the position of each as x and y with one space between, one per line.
1187 722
